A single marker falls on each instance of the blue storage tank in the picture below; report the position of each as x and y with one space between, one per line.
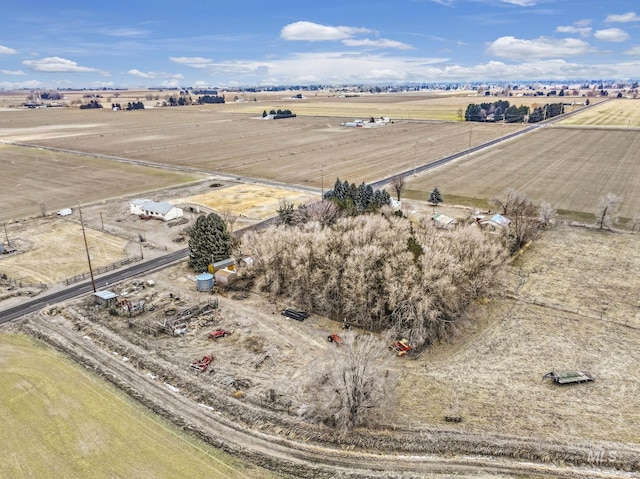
204 282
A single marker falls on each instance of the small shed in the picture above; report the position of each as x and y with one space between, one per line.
65 212
224 276
443 221
228 263
105 298
496 221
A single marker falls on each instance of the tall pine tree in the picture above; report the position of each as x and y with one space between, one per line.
209 241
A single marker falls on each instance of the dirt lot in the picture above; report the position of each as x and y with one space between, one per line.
113 233
490 375
562 313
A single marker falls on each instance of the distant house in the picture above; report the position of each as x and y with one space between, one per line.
162 210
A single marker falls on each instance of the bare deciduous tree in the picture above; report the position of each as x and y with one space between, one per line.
228 217
352 389
504 201
325 212
607 211
546 213
361 270
398 184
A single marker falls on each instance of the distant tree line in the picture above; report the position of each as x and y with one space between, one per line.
357 199
277 114
90 105
205 92
136 105
210 99
51 96
501 110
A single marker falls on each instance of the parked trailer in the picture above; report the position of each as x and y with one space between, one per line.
569 377
295 314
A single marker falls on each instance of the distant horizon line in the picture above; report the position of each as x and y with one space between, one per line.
327 86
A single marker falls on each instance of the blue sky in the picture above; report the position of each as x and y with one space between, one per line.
69 44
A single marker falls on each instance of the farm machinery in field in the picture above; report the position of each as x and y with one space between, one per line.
401 347
202 364
219 333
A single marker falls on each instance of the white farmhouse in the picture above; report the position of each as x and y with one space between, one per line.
163 210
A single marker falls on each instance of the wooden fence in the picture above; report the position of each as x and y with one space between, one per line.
103 269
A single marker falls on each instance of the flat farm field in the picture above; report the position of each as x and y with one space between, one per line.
620 113
54 250
301 151
399 106
53 410
33 178
570 168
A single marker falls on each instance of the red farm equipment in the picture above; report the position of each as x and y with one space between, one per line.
202 364
219 333
401 347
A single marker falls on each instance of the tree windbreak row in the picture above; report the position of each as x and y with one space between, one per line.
501 110
381 272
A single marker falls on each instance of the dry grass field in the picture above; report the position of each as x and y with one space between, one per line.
291 151
492 374
54 250
252 202
570 168
623 113
31 176
441 106
87 428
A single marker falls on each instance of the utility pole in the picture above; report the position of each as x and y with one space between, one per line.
101 221
415 157
5 233
470 130
86 247
322 179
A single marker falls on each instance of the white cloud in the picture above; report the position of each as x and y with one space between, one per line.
611 35
193 62
511 47
623 18
7 51
101 84
170 83
634 51
379 43
18 85
582 31
125 32
56 65
155 75
315 32
11 72
522 3
139 74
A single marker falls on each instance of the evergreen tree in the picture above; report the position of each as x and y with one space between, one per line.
209 241
435 197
